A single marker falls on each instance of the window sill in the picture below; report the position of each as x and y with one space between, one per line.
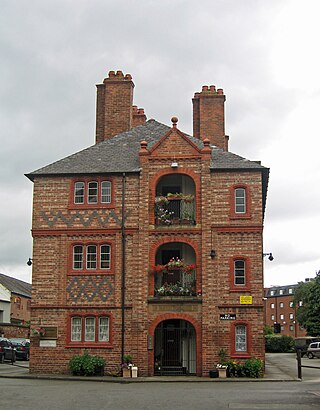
90 273
89 345
91 206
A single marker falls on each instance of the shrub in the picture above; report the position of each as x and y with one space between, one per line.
86 365
279 344
252 367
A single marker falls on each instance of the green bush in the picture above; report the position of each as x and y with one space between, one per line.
279 344
252 367
86 365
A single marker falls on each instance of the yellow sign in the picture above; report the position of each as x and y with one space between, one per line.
245 300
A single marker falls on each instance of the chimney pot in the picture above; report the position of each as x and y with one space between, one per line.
204 88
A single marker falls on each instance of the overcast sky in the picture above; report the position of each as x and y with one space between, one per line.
263 53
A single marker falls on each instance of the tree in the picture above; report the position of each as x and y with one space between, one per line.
308 314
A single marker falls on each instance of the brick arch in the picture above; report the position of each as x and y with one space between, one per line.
169 171
181 316
170 239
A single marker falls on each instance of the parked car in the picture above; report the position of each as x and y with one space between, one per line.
22 347
313 350
302 343
7 351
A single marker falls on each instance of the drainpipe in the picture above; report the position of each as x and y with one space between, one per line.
123 273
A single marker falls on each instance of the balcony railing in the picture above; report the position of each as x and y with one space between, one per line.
176 209
175 282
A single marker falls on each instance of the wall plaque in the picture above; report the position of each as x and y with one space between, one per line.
227 316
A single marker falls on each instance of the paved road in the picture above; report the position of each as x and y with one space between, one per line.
283 393
27 394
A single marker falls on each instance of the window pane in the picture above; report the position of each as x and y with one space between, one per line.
76 328
78 257
79 193
91 257
241 338
103 329
89 335
239 272
92 192
240 201
106 192
105 257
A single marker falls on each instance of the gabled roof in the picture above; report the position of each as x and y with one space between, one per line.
121 154
16 286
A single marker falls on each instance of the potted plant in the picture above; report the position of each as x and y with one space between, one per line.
126 365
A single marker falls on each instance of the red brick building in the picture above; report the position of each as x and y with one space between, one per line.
279 311
149 243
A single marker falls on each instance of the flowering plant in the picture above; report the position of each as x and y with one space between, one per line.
174 263
175 289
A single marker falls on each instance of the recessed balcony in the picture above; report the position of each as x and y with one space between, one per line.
174 209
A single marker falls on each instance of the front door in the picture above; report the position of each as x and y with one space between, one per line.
175 348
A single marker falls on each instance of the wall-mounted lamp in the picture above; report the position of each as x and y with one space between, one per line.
29 263
270 256
212 253
174 164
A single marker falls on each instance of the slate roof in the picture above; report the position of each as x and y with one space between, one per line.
121 154
16 286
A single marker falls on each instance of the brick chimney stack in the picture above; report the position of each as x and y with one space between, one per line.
208 116
114 105
138 116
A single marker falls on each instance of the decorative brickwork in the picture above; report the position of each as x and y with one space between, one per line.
153 163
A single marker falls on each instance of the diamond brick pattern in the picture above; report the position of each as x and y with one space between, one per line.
89 288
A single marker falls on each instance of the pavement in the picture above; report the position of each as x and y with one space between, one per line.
274 371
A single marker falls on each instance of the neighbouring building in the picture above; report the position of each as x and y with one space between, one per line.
280 313
15 306
149 243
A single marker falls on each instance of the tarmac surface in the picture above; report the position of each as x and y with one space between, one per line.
276 370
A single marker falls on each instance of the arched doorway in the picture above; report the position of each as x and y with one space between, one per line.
174 348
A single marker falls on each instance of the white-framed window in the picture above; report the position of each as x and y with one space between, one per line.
240 200
95 257
239 272
90 329
79 192
76 329
272 305
281 304
291 316
281 317
92 192
105 192
91 257
300 303
291 304
291 328
240 338
271 292
281 292
103 329
105 256
272 317
77 257
290 291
